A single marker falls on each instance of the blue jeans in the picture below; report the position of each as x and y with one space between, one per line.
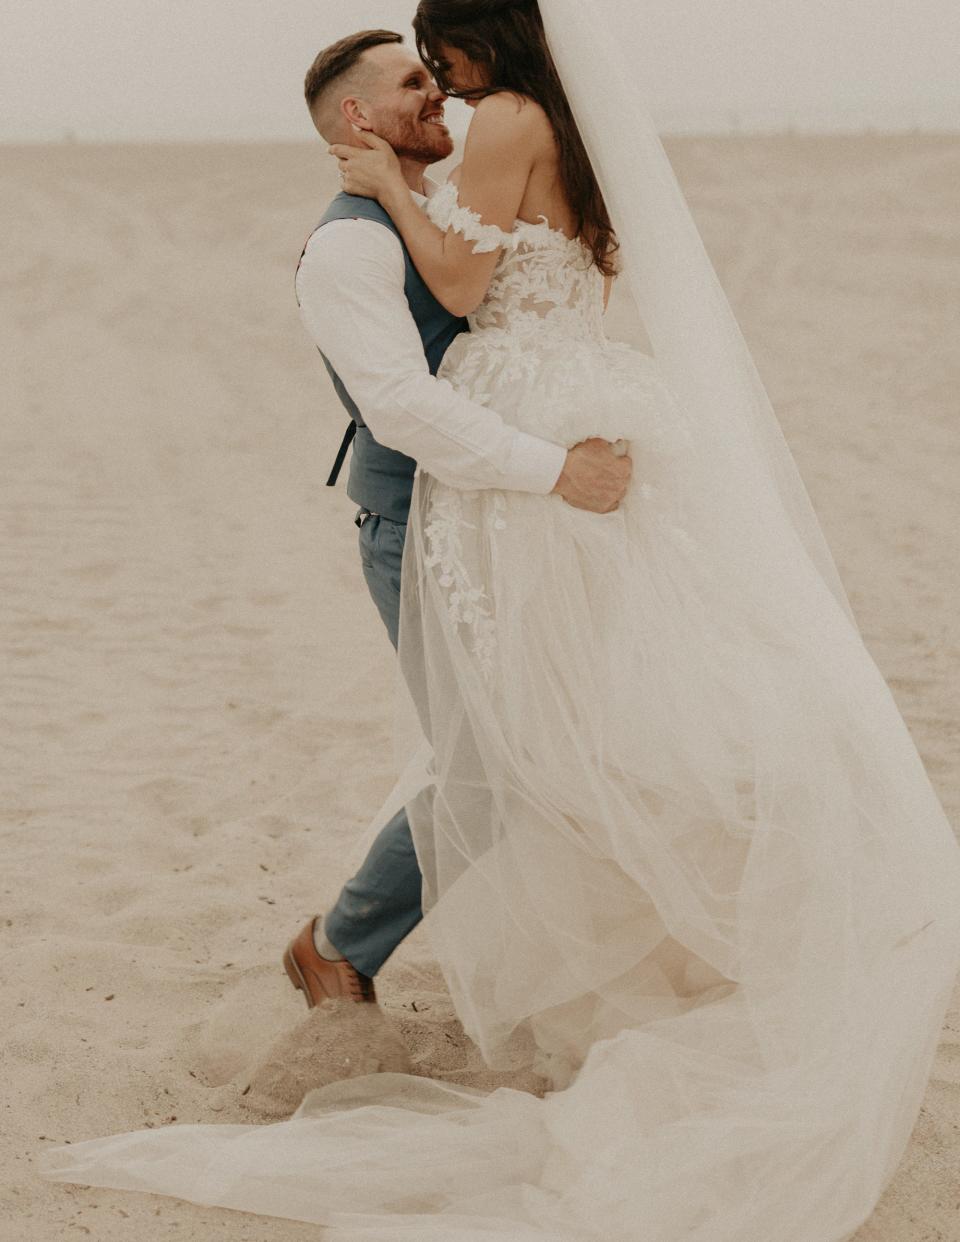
381 904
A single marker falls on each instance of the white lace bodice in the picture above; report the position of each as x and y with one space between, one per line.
542 280
537 352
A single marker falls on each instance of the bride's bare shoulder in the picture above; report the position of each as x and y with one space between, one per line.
510 117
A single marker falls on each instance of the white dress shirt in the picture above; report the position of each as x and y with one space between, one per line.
350 287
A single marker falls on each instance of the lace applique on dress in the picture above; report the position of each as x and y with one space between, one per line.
468 605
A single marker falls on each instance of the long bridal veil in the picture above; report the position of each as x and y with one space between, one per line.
705 888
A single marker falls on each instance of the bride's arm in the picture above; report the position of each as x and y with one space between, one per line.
503 143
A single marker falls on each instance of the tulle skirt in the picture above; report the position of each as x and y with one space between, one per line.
680 856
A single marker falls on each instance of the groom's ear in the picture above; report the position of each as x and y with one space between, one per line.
356 113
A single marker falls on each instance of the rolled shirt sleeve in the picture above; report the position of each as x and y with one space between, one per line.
351 291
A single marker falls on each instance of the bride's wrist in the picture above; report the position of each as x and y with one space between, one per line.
393 195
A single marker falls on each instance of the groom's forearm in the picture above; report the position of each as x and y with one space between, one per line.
463 444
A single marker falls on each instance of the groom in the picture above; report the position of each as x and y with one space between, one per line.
382 337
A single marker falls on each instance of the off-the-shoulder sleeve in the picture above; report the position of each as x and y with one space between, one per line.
486 237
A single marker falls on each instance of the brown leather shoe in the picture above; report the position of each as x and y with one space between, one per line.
319 979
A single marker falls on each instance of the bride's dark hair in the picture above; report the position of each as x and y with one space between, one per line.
508 39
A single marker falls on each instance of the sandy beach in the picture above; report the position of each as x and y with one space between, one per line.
198 692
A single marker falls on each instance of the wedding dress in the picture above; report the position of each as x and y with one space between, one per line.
680 854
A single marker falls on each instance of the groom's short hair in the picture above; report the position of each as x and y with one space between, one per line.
336 62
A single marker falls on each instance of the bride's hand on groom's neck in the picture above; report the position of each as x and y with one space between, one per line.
371 169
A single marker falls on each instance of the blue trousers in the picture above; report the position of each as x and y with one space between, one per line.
381 904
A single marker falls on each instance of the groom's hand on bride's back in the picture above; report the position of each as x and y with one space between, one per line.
594 476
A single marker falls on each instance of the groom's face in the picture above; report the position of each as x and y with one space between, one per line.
404 106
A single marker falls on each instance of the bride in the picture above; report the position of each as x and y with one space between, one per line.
680 854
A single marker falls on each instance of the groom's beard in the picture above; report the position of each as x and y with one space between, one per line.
416 140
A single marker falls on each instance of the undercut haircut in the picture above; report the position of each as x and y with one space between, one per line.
338 60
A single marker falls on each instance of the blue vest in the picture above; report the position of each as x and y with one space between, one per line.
381 479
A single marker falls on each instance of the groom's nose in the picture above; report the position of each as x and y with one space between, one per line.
436 94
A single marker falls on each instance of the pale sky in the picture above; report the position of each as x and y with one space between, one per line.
106 70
